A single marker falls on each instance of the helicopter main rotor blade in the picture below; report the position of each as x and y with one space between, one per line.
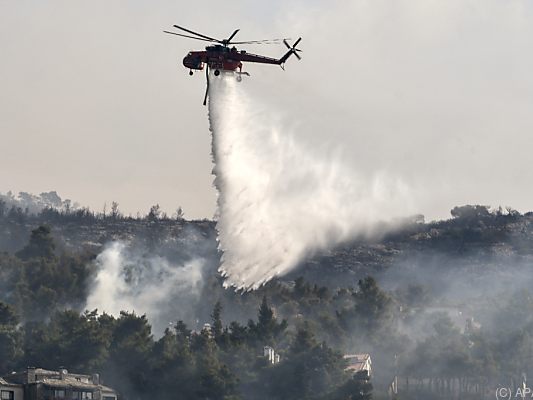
196 33
228 40
190 37
266 41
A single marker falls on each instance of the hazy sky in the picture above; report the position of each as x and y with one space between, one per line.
94 101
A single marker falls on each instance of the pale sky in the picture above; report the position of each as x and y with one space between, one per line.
95 103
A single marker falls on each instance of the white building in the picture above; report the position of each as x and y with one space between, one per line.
271 355
359 362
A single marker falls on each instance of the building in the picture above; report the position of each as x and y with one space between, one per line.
359 362
271 355
42 384
11 391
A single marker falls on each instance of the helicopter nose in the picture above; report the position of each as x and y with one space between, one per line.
192 62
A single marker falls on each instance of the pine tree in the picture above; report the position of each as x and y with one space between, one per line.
217 321
10 338
267 327
357 388
41 244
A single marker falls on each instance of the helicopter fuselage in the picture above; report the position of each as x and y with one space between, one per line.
214 59
223 58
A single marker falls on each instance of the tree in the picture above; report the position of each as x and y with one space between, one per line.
414 295
217 381
3 208
171 369
238 334
217 321
69 338
267 328
470 212
16 214
41 244
311 370
115 212
67 206
373 311
8 316
51 199
181 330
301 288
304 340
10 338
154 213
130 348
357 388
443 355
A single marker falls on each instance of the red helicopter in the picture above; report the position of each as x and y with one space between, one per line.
222 57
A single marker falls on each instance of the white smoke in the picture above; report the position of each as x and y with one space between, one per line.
279 201
151 285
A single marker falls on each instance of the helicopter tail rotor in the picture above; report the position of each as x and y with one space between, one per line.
292 50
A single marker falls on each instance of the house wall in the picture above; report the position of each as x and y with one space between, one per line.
18 392
31 391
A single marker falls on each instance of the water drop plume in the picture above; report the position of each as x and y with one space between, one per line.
278 200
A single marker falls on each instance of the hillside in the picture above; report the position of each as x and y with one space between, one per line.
410 295
472 238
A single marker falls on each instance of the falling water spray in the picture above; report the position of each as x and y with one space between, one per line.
278 202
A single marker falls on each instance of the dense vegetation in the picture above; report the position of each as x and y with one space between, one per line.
409 329
219 362
41 324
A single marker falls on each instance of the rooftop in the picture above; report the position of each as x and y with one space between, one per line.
357 362
56 379
3 382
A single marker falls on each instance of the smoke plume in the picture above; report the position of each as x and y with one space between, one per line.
131 280
279 201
